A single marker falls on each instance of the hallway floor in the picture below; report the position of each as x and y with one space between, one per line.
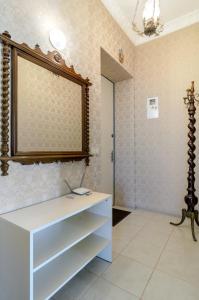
152 260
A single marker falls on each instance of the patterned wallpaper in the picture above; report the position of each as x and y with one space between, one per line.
124 137
88 27
165 68
49 110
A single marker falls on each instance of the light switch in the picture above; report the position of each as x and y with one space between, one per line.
152 108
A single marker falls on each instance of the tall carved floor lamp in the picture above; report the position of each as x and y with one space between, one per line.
190 199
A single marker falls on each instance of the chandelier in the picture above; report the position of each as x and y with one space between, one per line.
151 19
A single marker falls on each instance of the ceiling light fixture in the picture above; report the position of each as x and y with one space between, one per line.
151 19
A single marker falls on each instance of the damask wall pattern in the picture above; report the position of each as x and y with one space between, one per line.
81 21
125 144
49 110
165 68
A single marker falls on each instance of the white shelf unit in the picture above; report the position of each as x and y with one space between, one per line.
54 240
44 246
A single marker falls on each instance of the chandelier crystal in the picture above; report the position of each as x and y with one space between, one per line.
151 19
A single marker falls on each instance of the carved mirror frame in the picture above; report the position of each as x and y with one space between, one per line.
55 63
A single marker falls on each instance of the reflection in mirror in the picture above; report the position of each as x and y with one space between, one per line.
49 110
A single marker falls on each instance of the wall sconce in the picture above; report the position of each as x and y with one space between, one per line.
121 56
57 39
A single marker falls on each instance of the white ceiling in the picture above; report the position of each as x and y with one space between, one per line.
175 14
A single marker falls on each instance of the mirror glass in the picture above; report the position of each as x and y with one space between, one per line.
49 110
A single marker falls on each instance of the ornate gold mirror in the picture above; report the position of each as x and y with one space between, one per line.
49 107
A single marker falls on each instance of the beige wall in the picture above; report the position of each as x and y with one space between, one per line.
124 151
87 26
164 68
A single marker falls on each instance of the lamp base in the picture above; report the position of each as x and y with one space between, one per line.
193 216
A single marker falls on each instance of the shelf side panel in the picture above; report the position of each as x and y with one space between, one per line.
15 261
105 209
106 232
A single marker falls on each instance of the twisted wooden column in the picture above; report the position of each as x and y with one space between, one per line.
5 104
190 199
87 122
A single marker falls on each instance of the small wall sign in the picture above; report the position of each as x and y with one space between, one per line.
152 108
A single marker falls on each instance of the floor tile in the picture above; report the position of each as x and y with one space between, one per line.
114 255
120 244
164 218
142 212
143 252
162 226
98 266
153 236
138 242
181 240
128 275
125 230
102 289
136 220
164 287
180 264
76 287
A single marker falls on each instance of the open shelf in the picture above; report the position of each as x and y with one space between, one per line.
53 241
47 244
49 279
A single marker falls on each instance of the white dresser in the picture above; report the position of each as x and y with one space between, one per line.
43 246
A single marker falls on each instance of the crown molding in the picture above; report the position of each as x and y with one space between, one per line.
169 27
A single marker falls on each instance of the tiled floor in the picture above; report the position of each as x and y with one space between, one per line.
152 260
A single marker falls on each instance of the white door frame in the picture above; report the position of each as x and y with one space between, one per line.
113 137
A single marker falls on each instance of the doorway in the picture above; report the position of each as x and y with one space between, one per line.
107 136
113 86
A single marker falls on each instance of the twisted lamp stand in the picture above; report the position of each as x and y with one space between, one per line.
190 199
